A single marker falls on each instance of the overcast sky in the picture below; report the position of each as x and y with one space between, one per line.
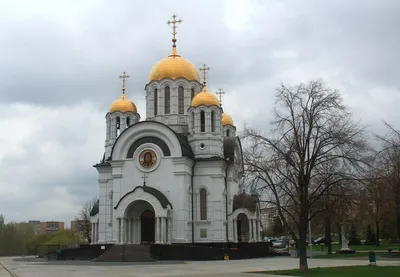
60 62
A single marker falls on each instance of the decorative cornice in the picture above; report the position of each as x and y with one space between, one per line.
117 175
116 163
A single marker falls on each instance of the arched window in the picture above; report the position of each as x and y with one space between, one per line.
181 100
128 121
202 121
227 133
108 135
193 125
155 102
118 126
212 121
203 204
167 100
192 94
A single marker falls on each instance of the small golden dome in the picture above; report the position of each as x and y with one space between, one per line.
226 120
206 98
123 105
174 66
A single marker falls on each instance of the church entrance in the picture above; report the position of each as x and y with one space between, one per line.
147 221
243 228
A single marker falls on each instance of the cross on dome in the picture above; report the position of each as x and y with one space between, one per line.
205 68
174 32
220 93
123 77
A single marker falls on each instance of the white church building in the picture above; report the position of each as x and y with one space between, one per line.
176 176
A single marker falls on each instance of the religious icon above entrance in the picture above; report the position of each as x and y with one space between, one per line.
148 159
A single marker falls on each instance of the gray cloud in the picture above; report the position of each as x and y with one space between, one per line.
60 62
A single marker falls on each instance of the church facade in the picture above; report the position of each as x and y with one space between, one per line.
174 177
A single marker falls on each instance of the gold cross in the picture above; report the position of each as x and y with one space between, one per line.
205 68
174 22
124 77
220 93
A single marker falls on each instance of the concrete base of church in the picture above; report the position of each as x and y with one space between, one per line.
189 252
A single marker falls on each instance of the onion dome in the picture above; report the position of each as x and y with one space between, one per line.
226 120
123 105
205 98
174 66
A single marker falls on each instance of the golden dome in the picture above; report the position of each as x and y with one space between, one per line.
226 120
123 105
206 98
174 66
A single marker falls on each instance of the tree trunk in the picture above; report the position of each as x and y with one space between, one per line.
340 233
303 239
328 235
378 233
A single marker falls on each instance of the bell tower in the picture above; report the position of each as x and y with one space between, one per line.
122 114
205 127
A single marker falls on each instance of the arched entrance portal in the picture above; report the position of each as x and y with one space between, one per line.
139 223
147 223
243 228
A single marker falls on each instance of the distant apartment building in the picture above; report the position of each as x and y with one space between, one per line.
77 225
51 226
36 225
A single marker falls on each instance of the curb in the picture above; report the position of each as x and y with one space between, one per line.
9 271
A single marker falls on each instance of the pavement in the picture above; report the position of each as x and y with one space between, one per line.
17 267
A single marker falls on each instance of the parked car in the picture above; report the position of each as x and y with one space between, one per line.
319 241
278 244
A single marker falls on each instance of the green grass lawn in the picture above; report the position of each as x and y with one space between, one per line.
348 271
384 247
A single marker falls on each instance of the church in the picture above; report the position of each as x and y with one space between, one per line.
175 177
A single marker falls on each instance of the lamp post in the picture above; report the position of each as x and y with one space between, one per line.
309 234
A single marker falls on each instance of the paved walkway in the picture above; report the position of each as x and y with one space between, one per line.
234 268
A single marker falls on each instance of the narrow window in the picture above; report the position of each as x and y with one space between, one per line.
155 102
118 126
202 121
212 121
181 100
128 121
193 125
203 204
167 100
192 94
227 133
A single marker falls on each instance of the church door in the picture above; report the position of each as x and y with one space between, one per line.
148 226
243 228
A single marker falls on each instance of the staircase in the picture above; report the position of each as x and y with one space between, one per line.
127 253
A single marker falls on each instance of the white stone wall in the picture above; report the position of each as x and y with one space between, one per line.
105 214
178 122
211 176
210 142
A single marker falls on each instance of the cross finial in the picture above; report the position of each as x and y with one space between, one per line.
174 21
220 93
205 68
124 77
144 177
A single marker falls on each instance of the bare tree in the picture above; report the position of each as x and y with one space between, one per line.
84 226
389 160
292 166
